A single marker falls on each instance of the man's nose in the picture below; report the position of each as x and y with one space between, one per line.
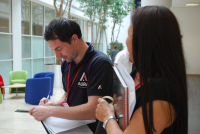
58 54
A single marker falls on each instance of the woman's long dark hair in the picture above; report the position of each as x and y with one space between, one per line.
157 48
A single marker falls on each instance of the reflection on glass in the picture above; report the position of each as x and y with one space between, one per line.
5 16
26 65
38 66
5 68
50 61
26 47
48 50
6 47
38 47
37 19
25 17
49 16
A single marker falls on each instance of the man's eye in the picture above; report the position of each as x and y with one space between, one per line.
59 49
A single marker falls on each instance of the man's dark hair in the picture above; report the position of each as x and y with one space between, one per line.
115 46
157 49
62 29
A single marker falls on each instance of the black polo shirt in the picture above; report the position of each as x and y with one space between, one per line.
94 78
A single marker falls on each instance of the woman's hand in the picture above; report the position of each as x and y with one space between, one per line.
104 110
119 106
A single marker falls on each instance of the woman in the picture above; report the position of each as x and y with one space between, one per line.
154 44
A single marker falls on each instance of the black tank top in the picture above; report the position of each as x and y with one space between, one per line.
160 92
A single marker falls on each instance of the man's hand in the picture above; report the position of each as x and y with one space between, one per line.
49 103
42 101
40 112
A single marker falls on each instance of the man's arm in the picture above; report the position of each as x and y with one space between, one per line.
81 112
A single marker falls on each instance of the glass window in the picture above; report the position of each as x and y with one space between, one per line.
48 50
5 16
49 16
38 47
37 19
74 19
94 33
102 35
26 47
6 47
81 24
25 17
85 34
50 61
38 66
5 68
26 65
101 47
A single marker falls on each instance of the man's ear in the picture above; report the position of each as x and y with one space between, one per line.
74 39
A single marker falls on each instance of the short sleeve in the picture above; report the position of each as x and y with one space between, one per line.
100 79
117 58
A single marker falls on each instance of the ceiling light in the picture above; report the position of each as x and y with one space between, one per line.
192 4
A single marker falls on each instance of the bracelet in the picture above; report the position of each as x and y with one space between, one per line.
120 116
105 122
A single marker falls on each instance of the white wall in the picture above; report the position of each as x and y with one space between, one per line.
189 21
124 30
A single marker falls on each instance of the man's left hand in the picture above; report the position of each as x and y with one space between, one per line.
40 112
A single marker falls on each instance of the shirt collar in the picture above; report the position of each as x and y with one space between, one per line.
88 53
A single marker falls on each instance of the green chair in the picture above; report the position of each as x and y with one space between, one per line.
19 77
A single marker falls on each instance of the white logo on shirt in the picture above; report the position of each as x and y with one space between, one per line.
83 81
99 87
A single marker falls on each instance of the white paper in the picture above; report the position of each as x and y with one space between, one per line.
131 88
57 125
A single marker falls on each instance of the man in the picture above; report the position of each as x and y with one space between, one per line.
86 74
114 53
123 58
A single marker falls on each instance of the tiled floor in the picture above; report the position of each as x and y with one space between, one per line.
23 123
12 122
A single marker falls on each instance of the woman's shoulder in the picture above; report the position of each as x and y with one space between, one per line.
161 89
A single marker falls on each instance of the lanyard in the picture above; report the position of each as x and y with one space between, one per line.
68 89
138 85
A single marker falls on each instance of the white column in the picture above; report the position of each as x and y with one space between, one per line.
166 3
16 28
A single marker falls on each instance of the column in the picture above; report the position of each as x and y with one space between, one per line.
16 28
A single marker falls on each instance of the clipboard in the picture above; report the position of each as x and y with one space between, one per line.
123 87
54 125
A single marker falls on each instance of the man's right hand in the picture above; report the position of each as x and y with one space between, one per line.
49 103
43 100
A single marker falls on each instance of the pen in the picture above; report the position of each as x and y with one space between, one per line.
48 97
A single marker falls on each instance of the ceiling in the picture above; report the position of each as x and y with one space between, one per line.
182 3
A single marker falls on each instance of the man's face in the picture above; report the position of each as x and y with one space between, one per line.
63 50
